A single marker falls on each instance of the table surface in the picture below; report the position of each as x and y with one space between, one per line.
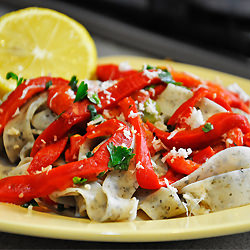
13 241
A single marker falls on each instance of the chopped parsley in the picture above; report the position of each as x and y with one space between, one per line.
78 180
166 77
93 112
94 98
207 127
48 84
11 75
60 114
82 92
89 154
73 83
119 157
32 203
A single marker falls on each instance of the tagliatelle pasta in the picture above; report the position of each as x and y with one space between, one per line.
155 140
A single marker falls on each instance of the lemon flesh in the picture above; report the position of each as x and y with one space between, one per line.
38 42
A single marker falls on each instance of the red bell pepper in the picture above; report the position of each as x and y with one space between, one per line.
23 188
234 137
22 94
197 138
107 72
185 109
224 95
146 177
202 155
181 165
171 176
47 156
78 112
71 154
60 98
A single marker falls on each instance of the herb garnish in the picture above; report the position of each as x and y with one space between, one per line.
82 92
119 157
78 180
166 77
94 98
15 77
48 84
32 203
93 112
73 83
208 127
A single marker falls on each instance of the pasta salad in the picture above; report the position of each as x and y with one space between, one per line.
154 139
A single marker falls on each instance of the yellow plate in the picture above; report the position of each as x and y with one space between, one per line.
16 219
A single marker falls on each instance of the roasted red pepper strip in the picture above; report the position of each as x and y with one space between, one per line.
23 188
192 81
184 109
181 165
171 176
107 72
22 94
234 138
47 156
197 138
202 155
71 154
60 98
78 112
146 177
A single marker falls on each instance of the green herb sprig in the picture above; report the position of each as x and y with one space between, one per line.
11 75
207 127
82 92
119 157
79 181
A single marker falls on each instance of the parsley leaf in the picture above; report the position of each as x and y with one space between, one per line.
15 77
93 111
81 92
78 181
32 203
166 77
48 84
73 83
94 98
119 157
208 127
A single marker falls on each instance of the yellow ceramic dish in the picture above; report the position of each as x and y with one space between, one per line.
16 219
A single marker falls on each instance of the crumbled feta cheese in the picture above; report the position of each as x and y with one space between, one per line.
70 93
132 114
157 144
141 107
195 119
124 66
106 114
182 152
43 141
127 133
151 74
139 165
238 90
151 107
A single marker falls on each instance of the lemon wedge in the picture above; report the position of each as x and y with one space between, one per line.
38 42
